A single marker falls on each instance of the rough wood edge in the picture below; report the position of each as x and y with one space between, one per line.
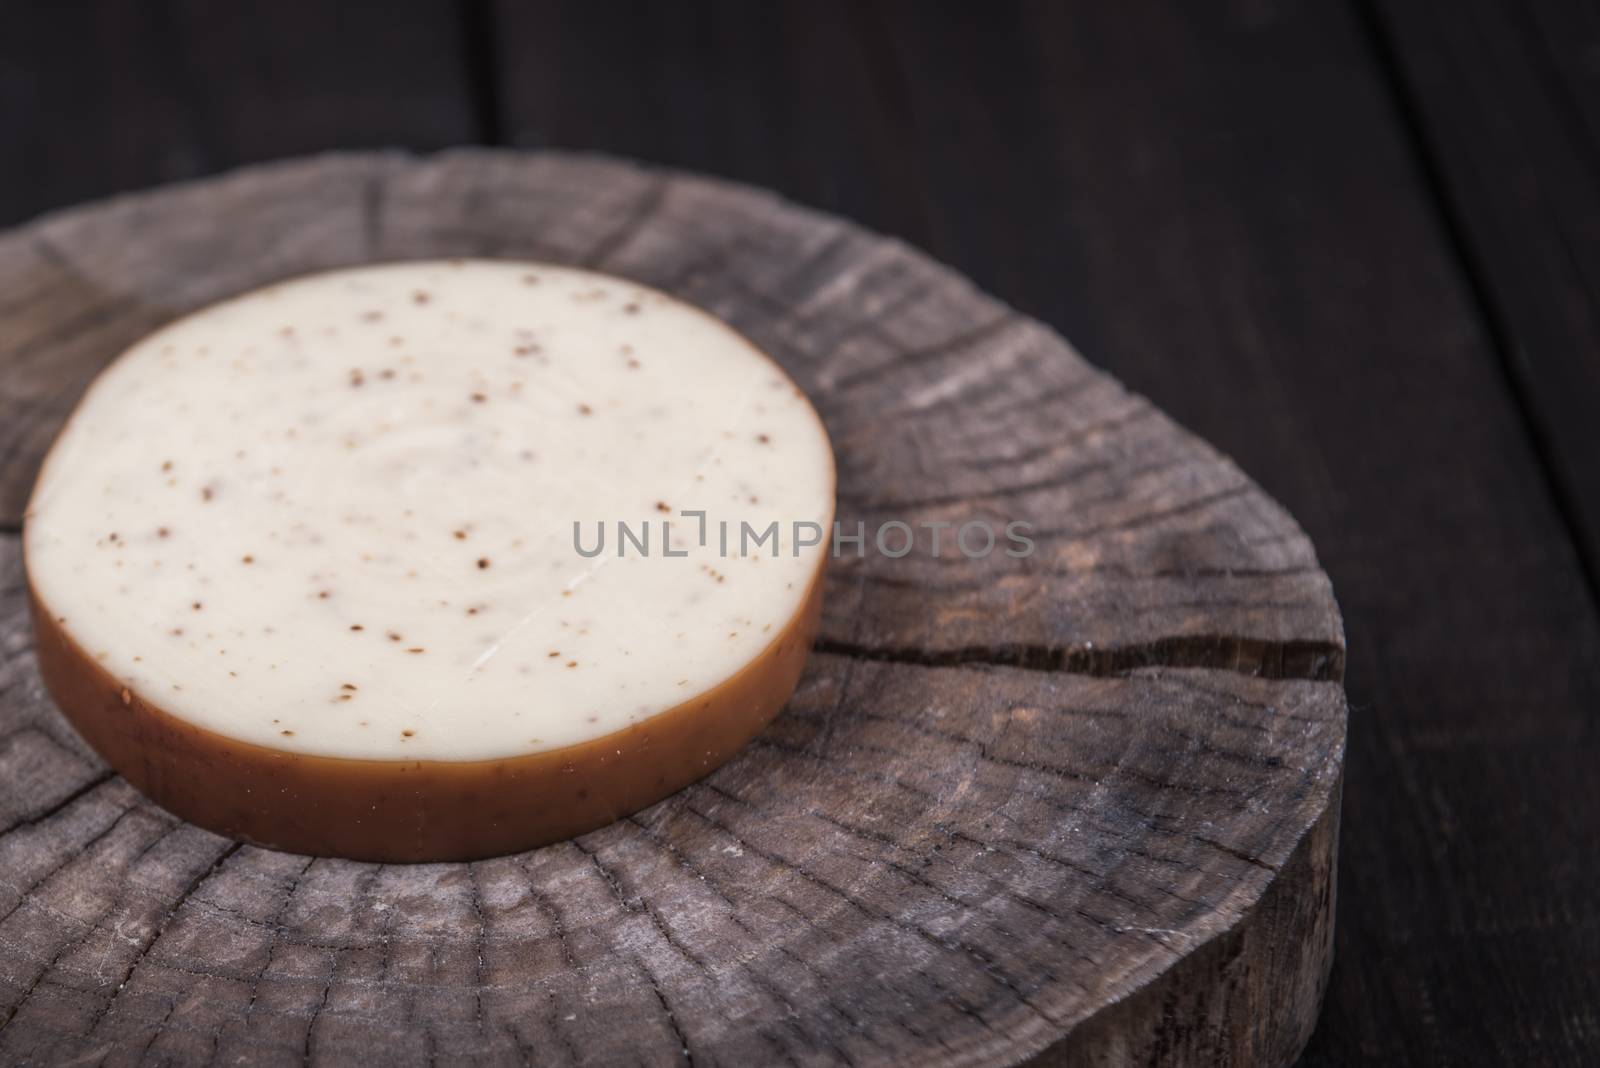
1276 952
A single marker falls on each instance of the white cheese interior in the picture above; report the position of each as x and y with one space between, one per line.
335 516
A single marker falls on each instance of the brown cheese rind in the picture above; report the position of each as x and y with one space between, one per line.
401 811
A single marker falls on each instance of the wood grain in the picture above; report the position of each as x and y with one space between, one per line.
1075 807
1506 99
101 96
1220 204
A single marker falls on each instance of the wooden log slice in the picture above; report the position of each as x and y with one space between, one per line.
1074 808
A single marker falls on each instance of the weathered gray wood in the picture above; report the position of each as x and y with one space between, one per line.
1075 807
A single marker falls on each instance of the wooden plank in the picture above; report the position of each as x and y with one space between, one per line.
781 95
102 97
1223 208
1506 98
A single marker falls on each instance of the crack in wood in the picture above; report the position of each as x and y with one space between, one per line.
925 585
374 192
73 328
650 205
70 799
911 357
1057 444
1008 894
542 901
747 967
817 758
1301 659
316 1013
1054 481
1143 519
272 948
986 963
172 910
479 941
47 250
25 893
672 1018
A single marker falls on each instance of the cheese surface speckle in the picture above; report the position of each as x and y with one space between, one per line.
336 516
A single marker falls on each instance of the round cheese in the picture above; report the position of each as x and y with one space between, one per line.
481 522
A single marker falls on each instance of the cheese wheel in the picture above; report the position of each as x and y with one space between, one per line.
316 567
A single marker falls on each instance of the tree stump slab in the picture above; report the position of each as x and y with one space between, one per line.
1074 808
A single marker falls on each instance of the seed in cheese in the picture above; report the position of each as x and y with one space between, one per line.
316 566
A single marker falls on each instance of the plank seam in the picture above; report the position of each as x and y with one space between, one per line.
481 68
1447 211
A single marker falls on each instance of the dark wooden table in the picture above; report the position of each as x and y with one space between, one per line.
1355 245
